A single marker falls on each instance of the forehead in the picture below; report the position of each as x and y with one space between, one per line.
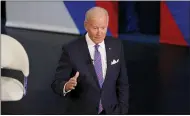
98 21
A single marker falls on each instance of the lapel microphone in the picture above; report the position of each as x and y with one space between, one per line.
90 61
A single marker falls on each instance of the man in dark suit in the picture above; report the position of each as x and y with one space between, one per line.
91 74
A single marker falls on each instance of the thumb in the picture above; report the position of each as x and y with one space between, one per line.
76 75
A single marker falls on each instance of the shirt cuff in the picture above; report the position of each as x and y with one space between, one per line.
64 92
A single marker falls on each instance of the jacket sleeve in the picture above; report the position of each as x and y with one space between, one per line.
63 73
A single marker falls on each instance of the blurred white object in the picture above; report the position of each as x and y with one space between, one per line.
13 56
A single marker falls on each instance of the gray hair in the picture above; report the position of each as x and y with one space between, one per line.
95 10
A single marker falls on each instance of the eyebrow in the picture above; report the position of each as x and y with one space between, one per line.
98 26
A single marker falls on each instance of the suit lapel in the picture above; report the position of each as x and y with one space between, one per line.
89 63
109 56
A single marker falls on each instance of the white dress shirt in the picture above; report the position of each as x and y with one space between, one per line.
101 49
91 48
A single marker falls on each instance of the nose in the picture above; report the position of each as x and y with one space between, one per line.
99 31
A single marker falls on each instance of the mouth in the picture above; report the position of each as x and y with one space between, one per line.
98 37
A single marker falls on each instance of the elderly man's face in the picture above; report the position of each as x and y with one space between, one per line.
97 28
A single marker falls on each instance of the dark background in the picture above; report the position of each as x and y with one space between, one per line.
140 16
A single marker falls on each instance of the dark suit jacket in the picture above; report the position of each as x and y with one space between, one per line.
84 99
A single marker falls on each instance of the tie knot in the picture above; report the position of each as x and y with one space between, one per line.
97 46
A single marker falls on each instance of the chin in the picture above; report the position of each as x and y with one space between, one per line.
99 41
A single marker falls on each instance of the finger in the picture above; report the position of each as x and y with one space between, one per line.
76 75
72 88
73 79
73 82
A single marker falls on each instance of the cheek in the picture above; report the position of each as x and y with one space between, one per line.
104 31
94 32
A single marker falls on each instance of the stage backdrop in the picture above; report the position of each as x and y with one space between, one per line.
67 17
173 18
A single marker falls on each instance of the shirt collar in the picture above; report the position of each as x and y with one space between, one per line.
91 43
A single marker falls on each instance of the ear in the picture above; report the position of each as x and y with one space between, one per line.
85 25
